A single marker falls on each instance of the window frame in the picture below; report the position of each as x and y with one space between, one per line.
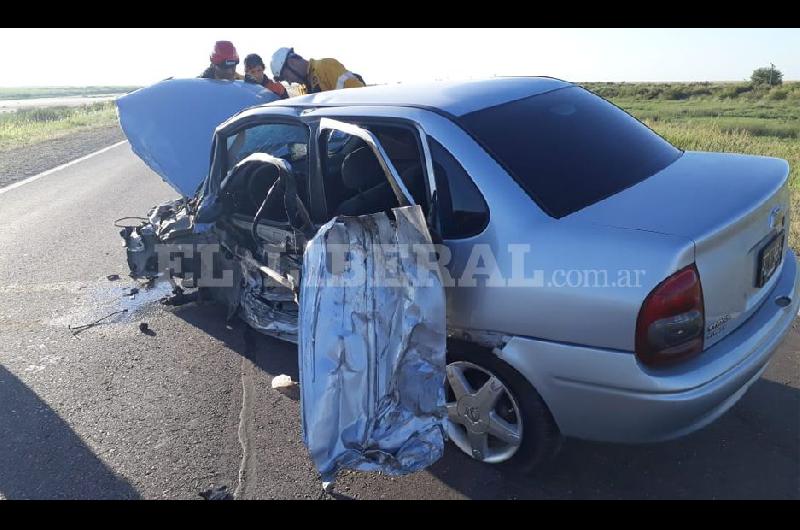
220 168
318 184
476 188
270 120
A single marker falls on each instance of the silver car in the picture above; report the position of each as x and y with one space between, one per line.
600 283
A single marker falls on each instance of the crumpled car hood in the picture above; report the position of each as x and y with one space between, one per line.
170 124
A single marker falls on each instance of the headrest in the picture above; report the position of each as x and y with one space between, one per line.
361 170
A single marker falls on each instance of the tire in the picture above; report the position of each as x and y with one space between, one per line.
540 436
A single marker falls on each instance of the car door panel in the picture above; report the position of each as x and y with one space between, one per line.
372 346
372 337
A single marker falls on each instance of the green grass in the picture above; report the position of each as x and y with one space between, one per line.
29 126
724 117
728 107
695 91
711 137
61 91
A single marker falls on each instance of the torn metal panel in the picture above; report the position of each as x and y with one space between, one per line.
372 354
171 220
266 305
266 302
275 282
278 319
491 339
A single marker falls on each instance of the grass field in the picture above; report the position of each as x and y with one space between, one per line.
61 91
727 117
29 126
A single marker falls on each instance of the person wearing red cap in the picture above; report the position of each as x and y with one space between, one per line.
224 59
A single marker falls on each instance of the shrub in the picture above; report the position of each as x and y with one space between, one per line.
675 93
767 76
734 91
778 95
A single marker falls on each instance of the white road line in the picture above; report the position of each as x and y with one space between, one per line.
58 168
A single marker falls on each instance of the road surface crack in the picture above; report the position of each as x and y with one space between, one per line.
245 421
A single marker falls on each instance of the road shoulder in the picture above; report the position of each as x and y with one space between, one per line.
21 162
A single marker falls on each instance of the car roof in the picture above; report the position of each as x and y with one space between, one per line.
452 97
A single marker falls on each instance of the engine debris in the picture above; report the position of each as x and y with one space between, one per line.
77 329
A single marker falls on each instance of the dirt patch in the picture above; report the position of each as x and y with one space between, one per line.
21 162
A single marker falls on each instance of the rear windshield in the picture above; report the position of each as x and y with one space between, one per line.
569 148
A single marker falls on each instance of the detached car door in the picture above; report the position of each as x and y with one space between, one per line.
372 332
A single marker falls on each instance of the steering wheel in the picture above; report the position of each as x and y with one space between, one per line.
259 183
283 194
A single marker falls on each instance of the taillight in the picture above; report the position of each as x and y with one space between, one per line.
671 321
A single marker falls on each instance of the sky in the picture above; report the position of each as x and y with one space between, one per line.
129 56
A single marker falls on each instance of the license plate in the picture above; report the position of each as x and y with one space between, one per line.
769 258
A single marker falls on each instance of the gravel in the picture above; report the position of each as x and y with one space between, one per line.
22 162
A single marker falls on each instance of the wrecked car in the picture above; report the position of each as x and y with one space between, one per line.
597 282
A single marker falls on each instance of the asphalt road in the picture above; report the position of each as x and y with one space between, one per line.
115 413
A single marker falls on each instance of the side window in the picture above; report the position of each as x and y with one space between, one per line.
462 210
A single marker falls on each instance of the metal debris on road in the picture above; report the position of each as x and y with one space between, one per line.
77 329
112 277
178 297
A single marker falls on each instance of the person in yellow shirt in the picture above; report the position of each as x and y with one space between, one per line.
318 75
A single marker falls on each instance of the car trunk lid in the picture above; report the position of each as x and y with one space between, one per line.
731 206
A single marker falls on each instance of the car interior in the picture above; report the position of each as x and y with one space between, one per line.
355 183
353 179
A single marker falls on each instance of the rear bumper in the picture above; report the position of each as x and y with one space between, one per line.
608 396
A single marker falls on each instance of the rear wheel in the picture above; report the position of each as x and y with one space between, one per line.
495 415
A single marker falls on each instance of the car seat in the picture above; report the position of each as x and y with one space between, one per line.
362 173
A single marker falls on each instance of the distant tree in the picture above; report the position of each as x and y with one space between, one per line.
770 76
